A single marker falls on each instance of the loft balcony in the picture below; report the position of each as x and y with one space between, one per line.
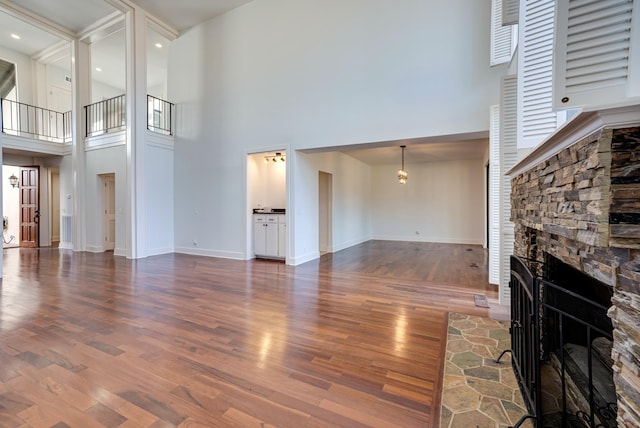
109 116
24 120
31 129
51 130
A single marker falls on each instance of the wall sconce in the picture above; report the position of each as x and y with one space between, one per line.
13 180
278 156
402 174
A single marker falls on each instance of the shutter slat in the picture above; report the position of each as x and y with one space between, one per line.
598 80
603 52
584 11
621 40
607 23
600 69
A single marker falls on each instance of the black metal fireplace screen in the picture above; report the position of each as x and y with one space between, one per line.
561 347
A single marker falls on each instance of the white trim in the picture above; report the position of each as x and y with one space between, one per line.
104 141
120 252
295 261
234 255
95 249
579 127
33 145
434 239
348 244
159 25
159 140
158 251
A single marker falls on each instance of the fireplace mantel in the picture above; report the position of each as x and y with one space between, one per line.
580 126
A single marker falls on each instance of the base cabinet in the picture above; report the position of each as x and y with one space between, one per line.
269 235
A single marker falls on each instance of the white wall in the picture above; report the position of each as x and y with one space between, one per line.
159 185
315 73
110 160
11 205
441 202
24 74
101 91
351 202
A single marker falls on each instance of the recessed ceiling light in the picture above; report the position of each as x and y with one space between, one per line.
158 45
15 36
98 69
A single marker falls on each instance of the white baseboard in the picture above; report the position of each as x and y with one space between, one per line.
210 253
304 258
438 240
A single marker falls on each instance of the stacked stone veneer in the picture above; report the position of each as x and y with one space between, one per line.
582 206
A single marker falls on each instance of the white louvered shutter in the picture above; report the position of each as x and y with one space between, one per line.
508 158
594 52
537 118
502 37
510 12
494 195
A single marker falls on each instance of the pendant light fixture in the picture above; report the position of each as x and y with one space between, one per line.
402 174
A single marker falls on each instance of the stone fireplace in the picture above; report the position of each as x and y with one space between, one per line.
576 198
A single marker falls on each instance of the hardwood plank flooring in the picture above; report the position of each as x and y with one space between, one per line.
354 339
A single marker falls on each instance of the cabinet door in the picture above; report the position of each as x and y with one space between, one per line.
259 239
282 240
271 238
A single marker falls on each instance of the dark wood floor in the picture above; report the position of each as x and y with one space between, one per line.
353 339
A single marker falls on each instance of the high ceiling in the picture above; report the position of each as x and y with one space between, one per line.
184 14
78 15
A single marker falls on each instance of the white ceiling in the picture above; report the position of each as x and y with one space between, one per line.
422 152
184 14
32 39
472 145
77 15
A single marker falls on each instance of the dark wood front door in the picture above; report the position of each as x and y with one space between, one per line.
29 206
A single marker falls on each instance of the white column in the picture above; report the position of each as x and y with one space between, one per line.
81 84
136 132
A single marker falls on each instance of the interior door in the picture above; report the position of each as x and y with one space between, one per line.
29 206
109 211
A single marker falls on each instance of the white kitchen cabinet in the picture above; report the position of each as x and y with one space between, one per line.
282 237
269 235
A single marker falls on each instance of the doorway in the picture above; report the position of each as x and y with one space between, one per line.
325 181
108 186
29 187
267 194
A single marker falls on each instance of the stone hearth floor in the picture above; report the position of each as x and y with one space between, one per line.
476 391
